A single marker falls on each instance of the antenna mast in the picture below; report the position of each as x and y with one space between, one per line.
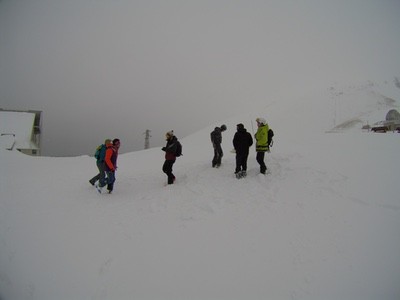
147 139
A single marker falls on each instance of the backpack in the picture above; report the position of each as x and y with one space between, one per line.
270 136
100 153
178 151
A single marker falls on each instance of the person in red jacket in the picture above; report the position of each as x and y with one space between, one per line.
110 166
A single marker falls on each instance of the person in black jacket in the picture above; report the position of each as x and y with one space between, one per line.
170 155
242 142
216 140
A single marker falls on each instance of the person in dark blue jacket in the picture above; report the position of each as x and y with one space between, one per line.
242 142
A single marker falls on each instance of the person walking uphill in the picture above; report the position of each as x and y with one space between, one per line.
242 141
100 155
170 155
262 143
110 166
216 140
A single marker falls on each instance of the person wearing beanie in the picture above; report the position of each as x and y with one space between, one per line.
100 156
216 140
242 141
170 155
261 137
110 166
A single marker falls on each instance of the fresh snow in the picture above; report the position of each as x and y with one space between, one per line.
324 224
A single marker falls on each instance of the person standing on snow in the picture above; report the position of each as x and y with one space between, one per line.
242 141
110 166
170 155
100 155
261 137
216 140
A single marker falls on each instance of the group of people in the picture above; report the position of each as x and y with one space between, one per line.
107 154
106 161
242 141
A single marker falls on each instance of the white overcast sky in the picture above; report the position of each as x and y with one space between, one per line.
103 69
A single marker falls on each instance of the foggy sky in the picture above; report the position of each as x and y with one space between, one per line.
103 69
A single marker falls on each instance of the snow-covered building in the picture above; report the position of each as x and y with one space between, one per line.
21 130
392 120
391 123
393 115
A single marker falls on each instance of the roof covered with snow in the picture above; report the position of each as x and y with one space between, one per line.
16 128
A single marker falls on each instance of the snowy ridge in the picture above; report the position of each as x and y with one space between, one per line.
323 225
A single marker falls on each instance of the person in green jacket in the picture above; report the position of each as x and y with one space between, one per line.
261 137
100 155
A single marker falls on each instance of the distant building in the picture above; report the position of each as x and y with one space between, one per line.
391 123
393 115
21 130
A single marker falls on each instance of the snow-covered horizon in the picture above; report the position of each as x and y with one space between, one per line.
324 224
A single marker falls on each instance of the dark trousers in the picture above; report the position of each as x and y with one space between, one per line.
260 160
167 169
241 161
217 155
100 176
109 180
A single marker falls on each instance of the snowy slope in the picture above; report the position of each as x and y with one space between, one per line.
323 225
